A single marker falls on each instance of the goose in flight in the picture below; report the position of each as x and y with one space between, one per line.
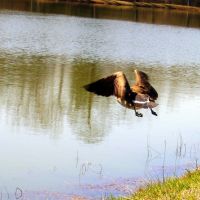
140 95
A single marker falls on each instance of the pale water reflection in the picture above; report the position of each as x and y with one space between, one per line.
56 137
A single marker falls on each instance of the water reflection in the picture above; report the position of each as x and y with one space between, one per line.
22 82
146 15
81 114
40 91
45 94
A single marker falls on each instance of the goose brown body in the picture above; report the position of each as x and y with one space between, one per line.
140 95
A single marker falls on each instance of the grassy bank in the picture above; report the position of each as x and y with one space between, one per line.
186 187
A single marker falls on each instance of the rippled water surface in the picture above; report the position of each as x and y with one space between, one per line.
57 140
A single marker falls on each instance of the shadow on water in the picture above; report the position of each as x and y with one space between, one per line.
144 15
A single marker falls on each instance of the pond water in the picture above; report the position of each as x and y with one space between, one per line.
58 141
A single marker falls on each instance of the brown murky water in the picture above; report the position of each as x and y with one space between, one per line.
58 140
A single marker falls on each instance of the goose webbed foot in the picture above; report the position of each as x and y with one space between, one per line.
154 113
138 114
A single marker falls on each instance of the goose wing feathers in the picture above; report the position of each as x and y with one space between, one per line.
116 85
142 85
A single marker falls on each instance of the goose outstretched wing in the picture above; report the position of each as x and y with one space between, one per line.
116 85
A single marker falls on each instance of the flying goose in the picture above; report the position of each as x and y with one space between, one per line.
140 95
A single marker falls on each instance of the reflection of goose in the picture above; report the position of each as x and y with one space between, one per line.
140 95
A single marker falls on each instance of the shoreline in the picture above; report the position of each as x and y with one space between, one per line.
127 4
